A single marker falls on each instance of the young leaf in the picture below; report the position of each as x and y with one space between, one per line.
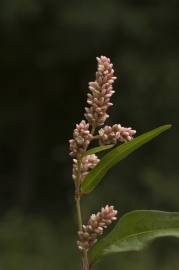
135 230
116 155
97 149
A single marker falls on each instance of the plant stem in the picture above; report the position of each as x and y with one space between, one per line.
96 137
84 255
78 210
93 129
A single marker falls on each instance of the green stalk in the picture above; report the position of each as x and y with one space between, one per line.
84 255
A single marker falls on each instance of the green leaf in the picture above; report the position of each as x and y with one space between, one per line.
135 230
97 149
116 155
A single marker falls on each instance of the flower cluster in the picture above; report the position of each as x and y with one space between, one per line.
101 91
88 162
97 222
81 139
98 100
111 135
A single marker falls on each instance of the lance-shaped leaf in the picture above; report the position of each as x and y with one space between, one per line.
116 155
97 149
135 230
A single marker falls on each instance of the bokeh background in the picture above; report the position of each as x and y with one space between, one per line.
47 57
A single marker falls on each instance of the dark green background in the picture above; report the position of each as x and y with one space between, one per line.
47 57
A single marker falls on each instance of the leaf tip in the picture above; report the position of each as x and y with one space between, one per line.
168 126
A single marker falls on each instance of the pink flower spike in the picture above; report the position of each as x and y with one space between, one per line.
101 91
81 139
97 222
114 134
87 163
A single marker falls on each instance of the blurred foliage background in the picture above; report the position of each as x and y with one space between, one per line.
47 57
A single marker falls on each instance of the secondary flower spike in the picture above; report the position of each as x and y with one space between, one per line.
101 91
114 134
88 162
81 139
97 222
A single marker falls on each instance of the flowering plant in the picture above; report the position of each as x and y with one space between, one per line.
135 229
